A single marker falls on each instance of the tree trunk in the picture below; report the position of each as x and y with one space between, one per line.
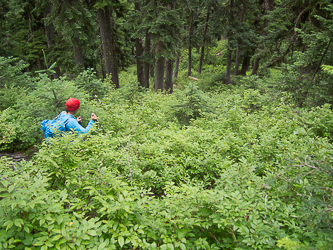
203 42
115 78
245 65
78 54
152 65
168 76
159 68
255 65
109 57
104 28
147 59
267 6
190 46
139 53
237 60
176 66
321 60
49 32
228 71
139 63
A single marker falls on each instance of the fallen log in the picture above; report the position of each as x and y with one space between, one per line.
193 78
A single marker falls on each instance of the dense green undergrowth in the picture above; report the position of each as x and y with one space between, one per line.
239 168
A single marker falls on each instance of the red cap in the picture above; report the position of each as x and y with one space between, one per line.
72 104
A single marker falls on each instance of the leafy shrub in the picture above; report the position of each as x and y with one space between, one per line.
87 82
190 104
320 121
12 72
84 203
212 82
7 130
11 95
45 101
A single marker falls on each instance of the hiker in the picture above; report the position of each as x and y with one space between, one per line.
66 121
72 106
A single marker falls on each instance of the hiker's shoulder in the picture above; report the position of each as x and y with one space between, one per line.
64 116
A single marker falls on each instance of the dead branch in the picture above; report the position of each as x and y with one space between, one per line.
193 78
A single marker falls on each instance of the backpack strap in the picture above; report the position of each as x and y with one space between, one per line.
67 122
57 117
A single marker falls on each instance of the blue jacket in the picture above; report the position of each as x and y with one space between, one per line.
73 125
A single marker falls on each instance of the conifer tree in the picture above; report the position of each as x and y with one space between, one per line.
23 32
107 12
267 6
204 38
139 49
163 23
75 23
50 35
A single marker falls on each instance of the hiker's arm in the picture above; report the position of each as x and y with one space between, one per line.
74 125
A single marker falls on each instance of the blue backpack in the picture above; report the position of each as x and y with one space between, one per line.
53 127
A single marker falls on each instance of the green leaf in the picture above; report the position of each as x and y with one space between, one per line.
18 222
22 202
121 241
85 237
27 229
102 246
42 221
57 237
54 64
9 224
39 243
92 232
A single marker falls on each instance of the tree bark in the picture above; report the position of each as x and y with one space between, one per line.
255 65
147 59
152 59
245 65
159 68
203 42
321 60
49 32
109 56
176 66
190 46
267 6
228 71
168 76
139 53
78 54
152 69
139 63
237 60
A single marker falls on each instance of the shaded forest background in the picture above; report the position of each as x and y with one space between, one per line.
110 36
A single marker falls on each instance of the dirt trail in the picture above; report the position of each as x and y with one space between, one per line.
15 158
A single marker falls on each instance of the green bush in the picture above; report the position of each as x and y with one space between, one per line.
189 104
12 72
87 82
45 101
